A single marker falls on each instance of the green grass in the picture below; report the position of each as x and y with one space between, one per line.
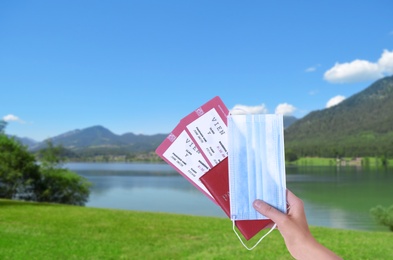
47 231
315 161
321 161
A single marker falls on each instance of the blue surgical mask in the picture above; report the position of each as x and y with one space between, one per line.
256 164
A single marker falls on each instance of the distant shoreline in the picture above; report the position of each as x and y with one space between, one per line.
303 161
345 161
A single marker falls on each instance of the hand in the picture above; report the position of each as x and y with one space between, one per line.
294 228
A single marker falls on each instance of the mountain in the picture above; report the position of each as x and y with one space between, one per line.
88 137
361 125
98 140
289 120
143 142
25 141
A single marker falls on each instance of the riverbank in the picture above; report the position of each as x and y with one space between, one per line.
344 161
302 161
48 231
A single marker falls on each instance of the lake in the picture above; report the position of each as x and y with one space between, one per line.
338 197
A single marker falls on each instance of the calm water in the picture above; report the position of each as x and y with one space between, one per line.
333 197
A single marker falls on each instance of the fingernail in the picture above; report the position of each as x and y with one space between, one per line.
257 204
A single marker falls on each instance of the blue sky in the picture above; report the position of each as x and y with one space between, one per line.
140 66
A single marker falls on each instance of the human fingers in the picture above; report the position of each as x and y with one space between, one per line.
295 204
292 198
268 211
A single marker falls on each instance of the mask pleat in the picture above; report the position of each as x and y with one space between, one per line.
256 163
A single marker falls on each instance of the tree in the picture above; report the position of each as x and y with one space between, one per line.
383 215
50 156
290 156
18 169
3 124
57 184
21 177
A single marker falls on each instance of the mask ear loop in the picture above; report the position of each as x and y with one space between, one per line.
233 221
251 248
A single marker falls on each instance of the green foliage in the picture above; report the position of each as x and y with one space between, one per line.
62 186
366 162
3 124
50 156
359 126
21 177
315 161
383 215
290 156
56 184
18 169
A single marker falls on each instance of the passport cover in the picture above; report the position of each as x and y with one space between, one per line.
197 143
216 180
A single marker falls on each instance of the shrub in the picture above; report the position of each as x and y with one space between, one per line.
18 168
383 215
21 177
62 186
290 156
56 184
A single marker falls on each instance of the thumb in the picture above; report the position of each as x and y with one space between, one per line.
268 211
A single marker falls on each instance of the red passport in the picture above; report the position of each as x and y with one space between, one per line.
216 180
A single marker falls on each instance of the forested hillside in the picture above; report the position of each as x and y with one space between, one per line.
99 143
361 125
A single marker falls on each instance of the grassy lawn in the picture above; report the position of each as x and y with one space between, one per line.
47 231
321 161
315 161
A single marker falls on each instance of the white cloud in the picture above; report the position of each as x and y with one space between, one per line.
386 61
241 109
312 69
10 117
361 70
285 109
355 71
335 101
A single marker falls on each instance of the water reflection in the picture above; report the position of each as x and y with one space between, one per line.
143 187
333 197
103 184
120 167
